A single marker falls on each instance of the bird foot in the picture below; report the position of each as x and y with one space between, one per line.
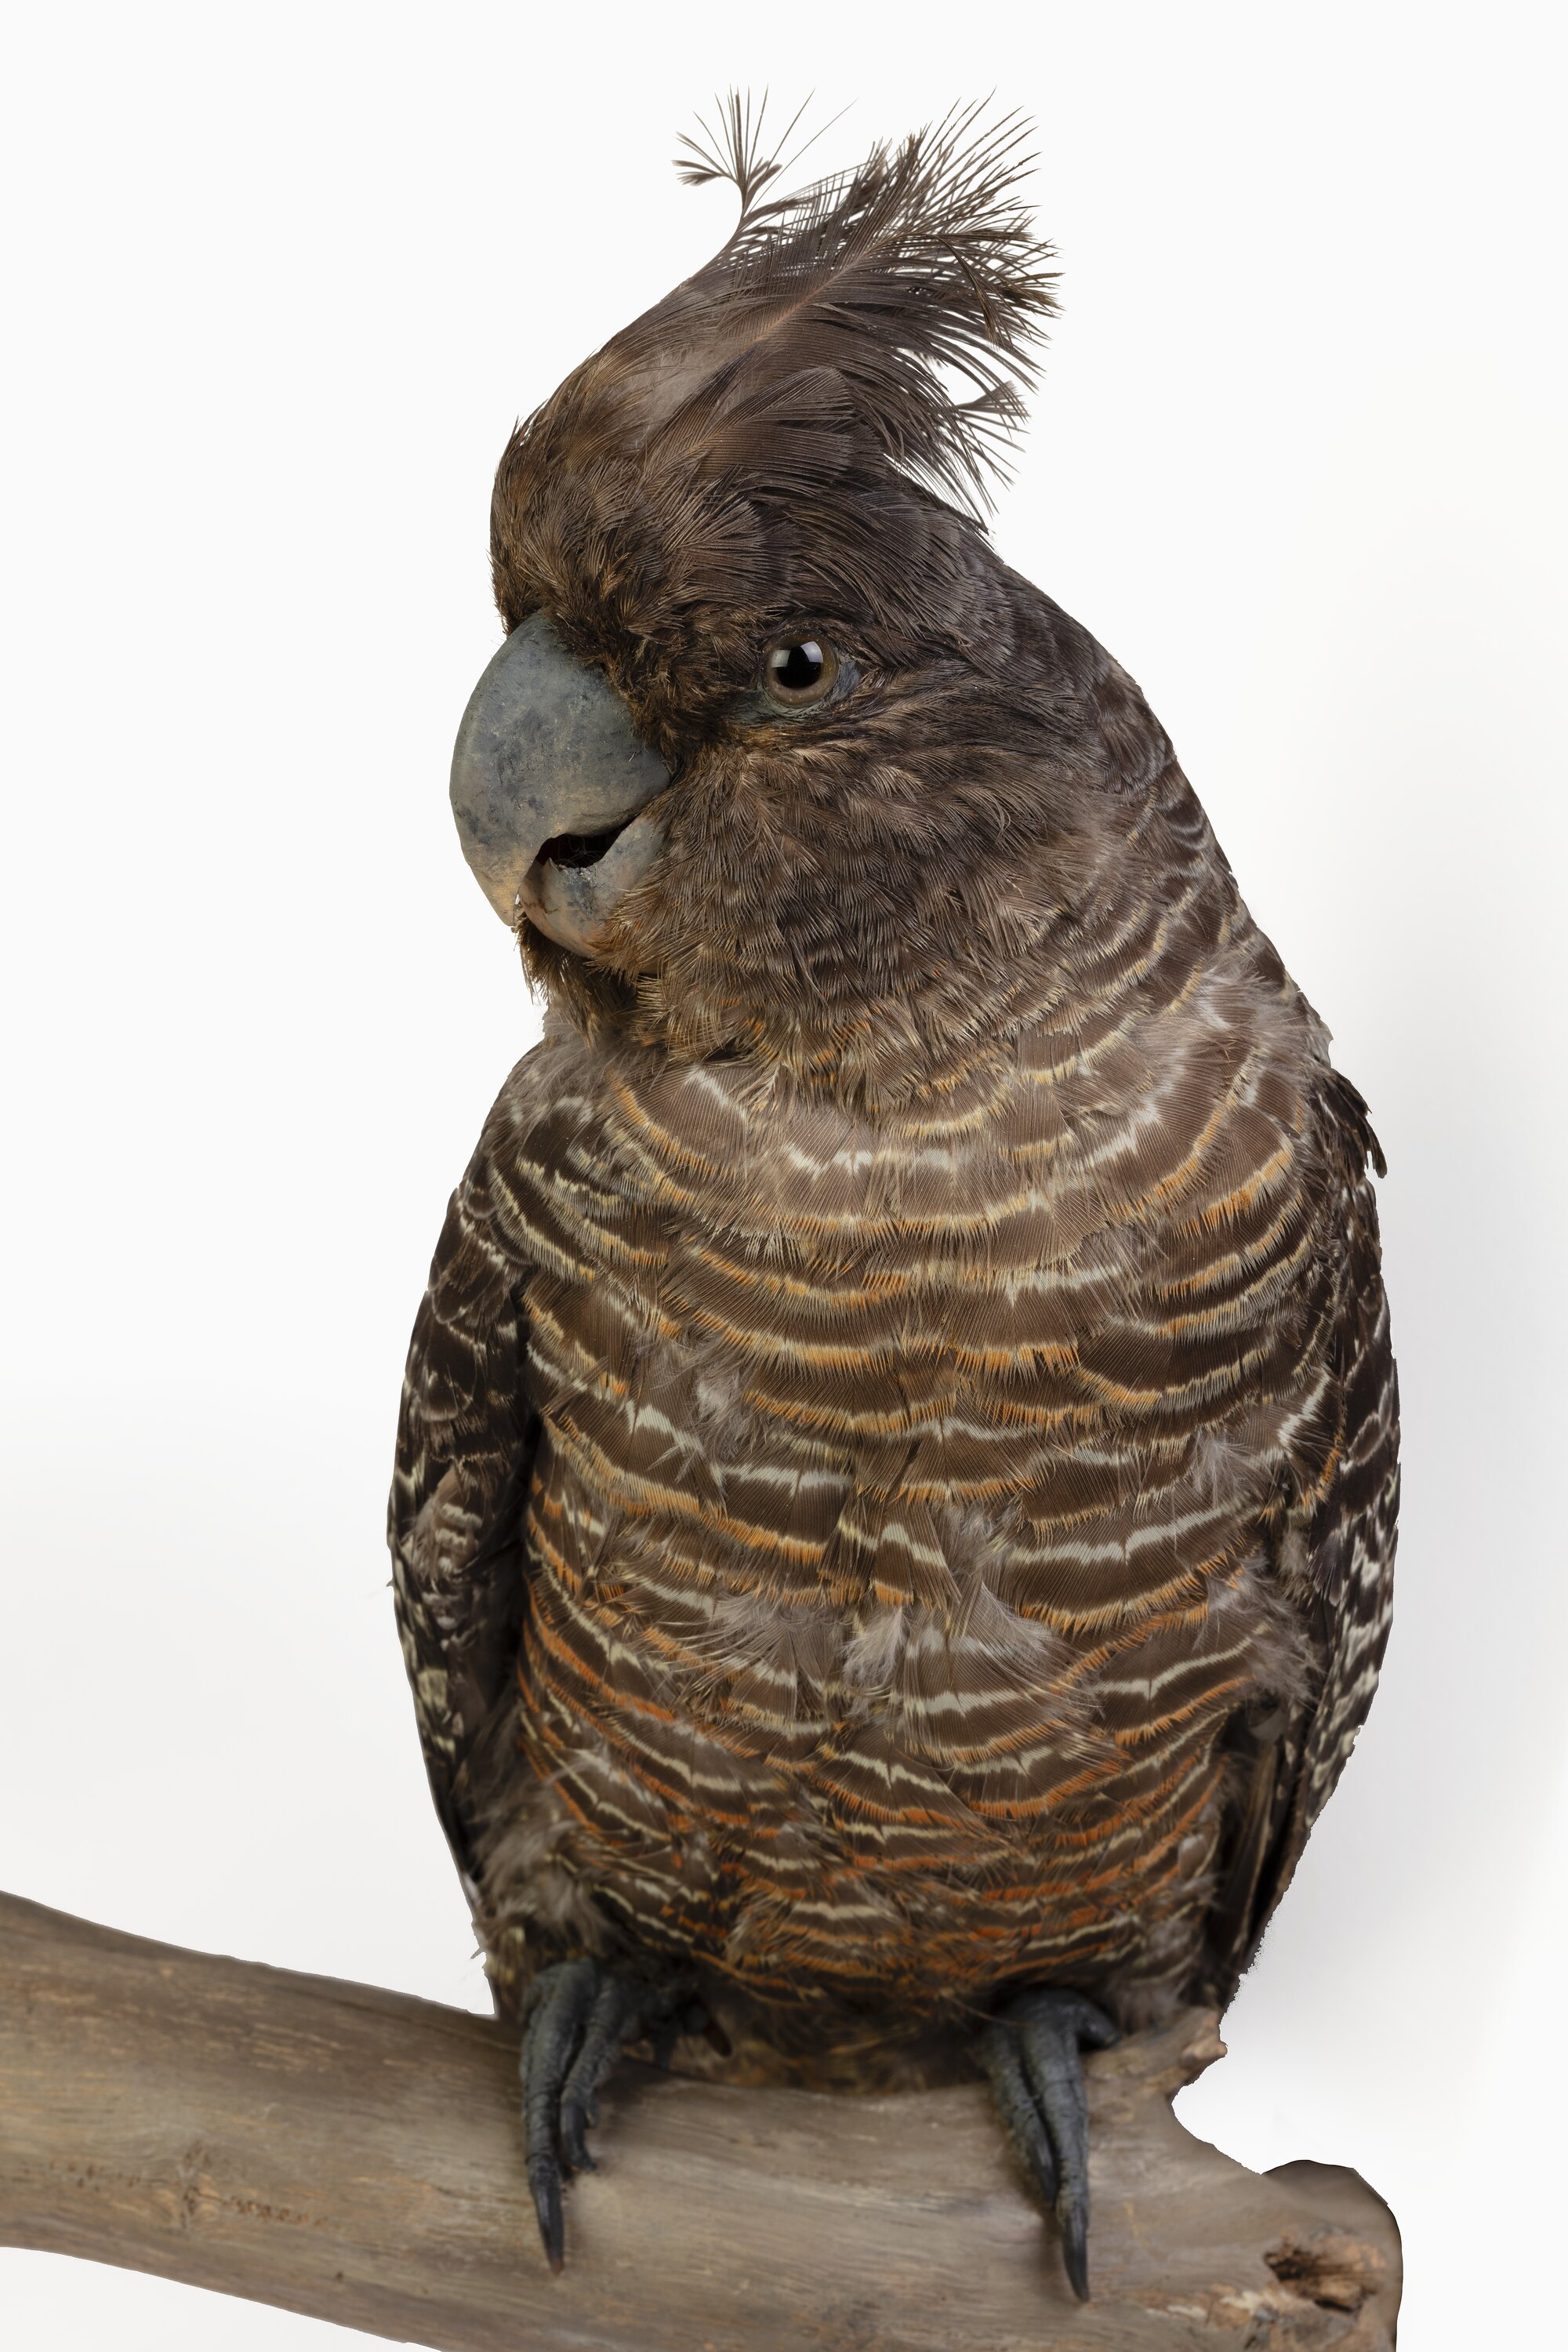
1031 2050
577 2017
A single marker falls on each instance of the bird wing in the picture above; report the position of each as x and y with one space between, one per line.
1336 1560
466 1438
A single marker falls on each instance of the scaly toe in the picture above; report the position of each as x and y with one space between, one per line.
557 2008
577 2017
1031 2050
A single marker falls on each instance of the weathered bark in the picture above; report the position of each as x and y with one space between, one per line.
358 2155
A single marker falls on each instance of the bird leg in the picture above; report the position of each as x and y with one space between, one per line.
1031 2050
577 2017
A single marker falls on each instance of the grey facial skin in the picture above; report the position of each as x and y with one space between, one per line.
546 756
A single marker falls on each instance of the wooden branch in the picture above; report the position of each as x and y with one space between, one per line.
358 2155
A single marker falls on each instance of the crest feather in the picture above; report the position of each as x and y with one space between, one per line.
810 422
732 148
916 280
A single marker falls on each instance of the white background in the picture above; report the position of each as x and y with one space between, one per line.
278 280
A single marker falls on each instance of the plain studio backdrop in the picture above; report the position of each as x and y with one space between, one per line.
278 281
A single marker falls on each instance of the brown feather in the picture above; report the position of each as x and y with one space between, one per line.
897 1480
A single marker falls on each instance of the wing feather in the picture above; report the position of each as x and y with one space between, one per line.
465 1442
1336 1563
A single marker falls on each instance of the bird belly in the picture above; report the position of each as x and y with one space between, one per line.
829 1796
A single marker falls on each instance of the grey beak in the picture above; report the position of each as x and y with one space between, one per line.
546 758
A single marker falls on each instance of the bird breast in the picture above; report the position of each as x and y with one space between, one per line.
895 1517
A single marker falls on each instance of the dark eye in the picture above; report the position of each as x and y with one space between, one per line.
799 671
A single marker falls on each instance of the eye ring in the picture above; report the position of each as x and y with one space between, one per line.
799 670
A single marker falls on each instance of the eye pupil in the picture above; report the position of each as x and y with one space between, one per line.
797 667
799 670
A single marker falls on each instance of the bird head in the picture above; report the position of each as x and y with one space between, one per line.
777 755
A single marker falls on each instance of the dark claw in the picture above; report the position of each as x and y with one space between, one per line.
1073 2222
577 2017
544 2180
1031 2050
575 2120
554 2012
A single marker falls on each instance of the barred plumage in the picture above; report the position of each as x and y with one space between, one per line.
895 1486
